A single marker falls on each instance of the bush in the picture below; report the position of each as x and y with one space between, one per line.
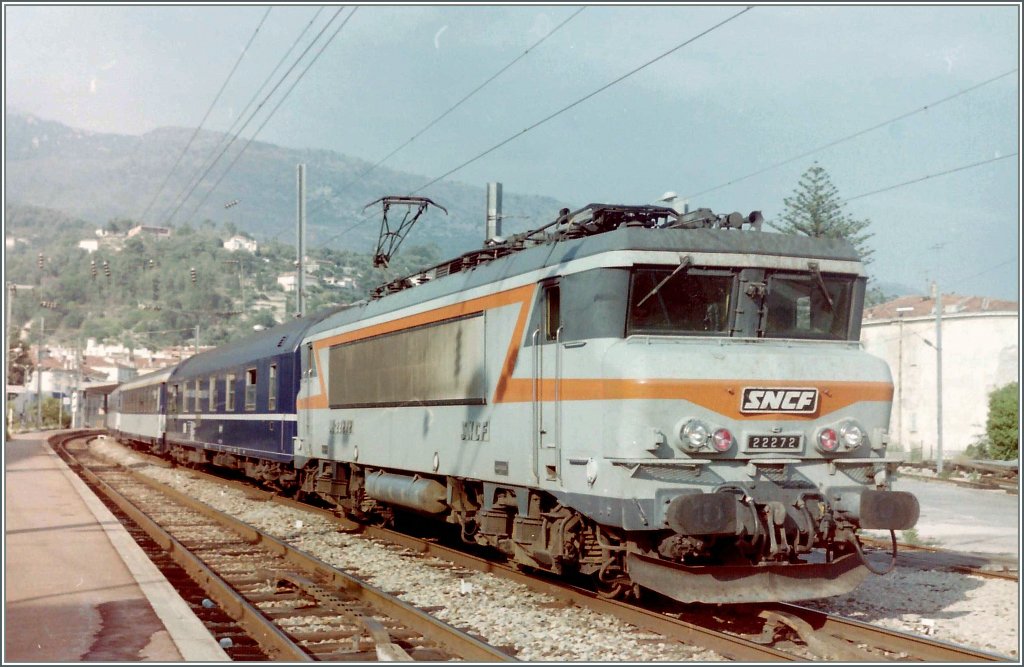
1002 425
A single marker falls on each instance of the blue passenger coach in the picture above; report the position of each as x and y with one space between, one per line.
234 406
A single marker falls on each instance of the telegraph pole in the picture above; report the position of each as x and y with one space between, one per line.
899 395
11 291
39 374
938 377
300 276
197 339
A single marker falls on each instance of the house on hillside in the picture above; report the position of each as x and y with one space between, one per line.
238 242
149 230
980 352
288 280
89 245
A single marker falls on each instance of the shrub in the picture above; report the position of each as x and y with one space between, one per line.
1002 425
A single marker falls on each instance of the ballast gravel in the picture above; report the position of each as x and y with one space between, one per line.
961 609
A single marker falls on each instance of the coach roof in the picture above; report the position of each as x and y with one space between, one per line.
282 339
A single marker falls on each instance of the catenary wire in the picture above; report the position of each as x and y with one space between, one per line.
272 112
925 178
464 99
556 114
848 137
226 137
195 133
253 115
582 99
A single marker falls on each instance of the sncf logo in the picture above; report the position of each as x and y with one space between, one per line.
795 401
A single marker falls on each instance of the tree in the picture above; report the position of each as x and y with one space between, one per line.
1002 429
816 209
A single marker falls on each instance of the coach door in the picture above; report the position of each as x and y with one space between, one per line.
547 377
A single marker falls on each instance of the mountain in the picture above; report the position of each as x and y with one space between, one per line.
99 177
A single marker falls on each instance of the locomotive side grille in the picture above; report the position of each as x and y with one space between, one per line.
786 477
680 475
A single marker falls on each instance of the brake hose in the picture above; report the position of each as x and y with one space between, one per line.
863 558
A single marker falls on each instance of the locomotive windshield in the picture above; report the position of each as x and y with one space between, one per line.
672 302
808 306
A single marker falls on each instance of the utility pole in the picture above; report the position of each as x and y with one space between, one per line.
197 339
300 276
938 376
39 373
11 291
899 395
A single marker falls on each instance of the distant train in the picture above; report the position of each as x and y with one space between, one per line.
676 402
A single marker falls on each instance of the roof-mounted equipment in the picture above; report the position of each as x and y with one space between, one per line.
390 239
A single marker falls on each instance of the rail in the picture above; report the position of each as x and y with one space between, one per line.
294 577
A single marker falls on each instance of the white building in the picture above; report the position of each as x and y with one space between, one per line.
89 245
238 242
980 339
344 281
149 230
287 281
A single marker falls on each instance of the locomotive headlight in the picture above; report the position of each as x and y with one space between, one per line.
694 435
851 434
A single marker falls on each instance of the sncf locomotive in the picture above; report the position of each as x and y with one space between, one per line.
651 399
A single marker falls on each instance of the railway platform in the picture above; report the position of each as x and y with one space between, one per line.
76 585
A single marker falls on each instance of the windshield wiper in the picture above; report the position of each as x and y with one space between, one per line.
684 263
813 266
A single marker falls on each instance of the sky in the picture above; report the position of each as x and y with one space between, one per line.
766 86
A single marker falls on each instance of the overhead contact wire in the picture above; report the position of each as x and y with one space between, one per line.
859 133
582 99
227 135
273 111
925 178
253 115
207 115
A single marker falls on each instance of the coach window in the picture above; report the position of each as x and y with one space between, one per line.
229 392
250 390
213 394
552 307
272 389
199 395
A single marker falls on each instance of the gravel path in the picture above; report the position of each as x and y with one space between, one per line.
961 609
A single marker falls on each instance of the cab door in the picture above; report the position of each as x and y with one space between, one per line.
547 376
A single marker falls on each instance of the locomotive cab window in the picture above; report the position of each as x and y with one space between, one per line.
665 301
808 306
250 390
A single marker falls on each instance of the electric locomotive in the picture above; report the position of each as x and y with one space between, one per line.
658 400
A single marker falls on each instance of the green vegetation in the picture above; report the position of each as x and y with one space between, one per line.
148 291
816 209
1002 427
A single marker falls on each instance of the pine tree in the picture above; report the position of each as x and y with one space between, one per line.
816 209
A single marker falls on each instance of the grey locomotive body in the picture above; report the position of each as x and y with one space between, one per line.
653 400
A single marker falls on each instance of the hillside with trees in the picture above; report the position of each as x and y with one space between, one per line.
147 291
99 177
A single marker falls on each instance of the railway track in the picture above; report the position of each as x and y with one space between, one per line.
936 558
762 633
291 605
